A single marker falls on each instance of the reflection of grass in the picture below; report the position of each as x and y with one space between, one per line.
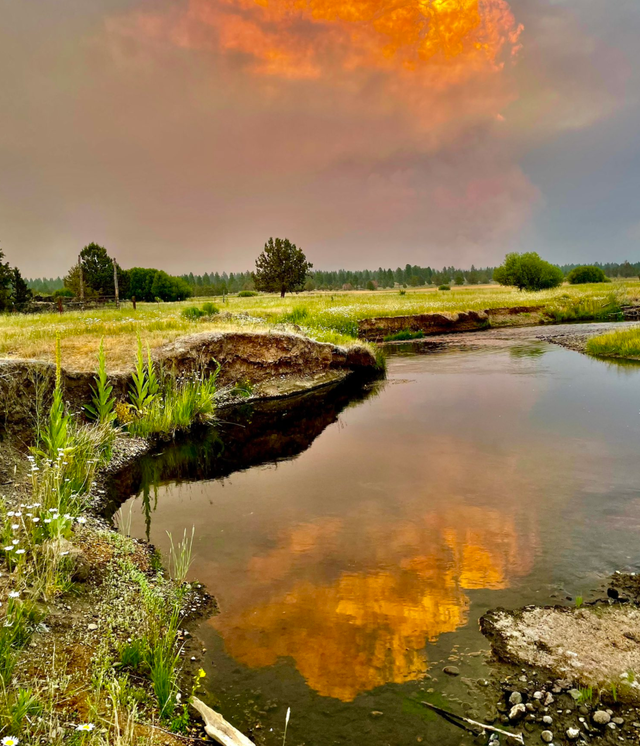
327 317
404 334
624 343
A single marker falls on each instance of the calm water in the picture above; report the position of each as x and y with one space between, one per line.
353 543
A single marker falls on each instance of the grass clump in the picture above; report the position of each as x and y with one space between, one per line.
444 287
623 344
193 313
595 308
247 294
180 403
404 334
103 404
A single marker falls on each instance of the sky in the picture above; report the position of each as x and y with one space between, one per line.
182 134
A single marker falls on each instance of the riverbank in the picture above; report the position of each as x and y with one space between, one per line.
96 634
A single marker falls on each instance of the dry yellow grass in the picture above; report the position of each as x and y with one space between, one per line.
325 316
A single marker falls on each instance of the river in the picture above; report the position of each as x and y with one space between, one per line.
353 539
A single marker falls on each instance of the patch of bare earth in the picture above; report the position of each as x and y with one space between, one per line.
594 646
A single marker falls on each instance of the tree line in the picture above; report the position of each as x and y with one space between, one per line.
149 284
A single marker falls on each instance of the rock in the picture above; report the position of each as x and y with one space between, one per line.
515 698
546 736
575 694
537 695
583 710
92 626
451 670
618 721
572 734
547 720
376 714
611 725
516 712
548 699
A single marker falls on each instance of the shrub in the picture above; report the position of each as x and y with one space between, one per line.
63 293
587 273
444 287
192 313
247 293
210 309
528 272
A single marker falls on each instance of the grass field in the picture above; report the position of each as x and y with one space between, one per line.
325 316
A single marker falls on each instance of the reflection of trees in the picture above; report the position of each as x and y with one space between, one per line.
245 436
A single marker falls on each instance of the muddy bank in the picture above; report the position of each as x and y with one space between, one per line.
275 364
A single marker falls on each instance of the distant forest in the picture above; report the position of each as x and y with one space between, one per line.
215 283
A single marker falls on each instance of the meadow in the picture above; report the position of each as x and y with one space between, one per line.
324 316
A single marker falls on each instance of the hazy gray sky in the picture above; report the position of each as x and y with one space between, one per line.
182 134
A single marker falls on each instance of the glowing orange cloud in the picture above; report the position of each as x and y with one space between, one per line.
308 38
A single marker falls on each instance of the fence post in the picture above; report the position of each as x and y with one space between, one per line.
81 280
59 304
133 300
115 282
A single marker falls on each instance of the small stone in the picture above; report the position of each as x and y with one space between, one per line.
600 717
523 679
575 694
548 699
515 698
516 712
92 626
583 710
547 720
618 721
537 695
546 736
451 670
573 733
611 725
376 714
530 707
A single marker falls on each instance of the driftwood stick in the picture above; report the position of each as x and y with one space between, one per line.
218 728
452 717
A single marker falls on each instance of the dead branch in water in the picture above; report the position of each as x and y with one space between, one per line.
463 722
218 728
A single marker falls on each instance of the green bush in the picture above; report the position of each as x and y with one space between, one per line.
444 287
210 309
585 274
247 293
192 313
528 272
63 293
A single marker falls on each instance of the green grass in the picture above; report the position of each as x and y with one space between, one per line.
325 316
404 334
623 344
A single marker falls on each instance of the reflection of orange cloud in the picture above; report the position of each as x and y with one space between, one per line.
368 628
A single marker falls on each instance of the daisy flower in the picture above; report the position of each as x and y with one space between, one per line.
14 594
10 741
86 727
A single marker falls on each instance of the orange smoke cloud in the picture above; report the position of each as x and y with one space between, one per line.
308 38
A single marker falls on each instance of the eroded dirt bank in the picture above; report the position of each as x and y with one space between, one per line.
275 364
376 329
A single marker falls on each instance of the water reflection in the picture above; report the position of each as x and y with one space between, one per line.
368 626
347 542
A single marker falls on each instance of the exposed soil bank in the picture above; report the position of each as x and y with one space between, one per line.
275 364
376 329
